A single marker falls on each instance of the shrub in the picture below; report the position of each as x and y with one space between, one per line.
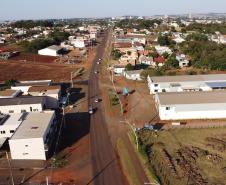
10 82
163 90
191 72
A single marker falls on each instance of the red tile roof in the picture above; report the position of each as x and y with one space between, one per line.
159 59
143 52
4 49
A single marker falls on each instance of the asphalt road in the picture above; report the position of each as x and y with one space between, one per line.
105 161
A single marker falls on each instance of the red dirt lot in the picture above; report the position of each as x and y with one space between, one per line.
23 71
33 58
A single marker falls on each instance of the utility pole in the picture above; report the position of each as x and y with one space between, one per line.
7 156
71 80
47 180
64 116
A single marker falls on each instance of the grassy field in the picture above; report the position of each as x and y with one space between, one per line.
127 163
162 150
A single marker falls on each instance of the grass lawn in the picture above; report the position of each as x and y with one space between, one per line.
127 163
172 140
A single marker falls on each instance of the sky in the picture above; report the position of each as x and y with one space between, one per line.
60 9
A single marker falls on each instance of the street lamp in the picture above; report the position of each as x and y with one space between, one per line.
126 121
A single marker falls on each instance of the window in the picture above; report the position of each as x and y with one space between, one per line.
34 127
156 90
26 145
31 109
11 131
3 132
11 111
23 111
35 110
25 153
156 85
167 108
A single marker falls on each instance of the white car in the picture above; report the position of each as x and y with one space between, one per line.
91 110
96 100
100 59
96 71
98 62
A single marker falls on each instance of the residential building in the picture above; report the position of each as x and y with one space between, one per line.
22 104
183 60
132 75
33 137
127 60
145 60
191 105
160 61
186 83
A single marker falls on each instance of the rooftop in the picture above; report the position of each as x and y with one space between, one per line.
8 92
21 100
188 78
196 97
55 47
33 83
34 126
11 119
133 72
44 88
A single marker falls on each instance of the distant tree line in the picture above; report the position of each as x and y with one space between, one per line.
137 24
207 28
31 24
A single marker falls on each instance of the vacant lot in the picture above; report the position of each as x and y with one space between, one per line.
187 156
33 58
23 71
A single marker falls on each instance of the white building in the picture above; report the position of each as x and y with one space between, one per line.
132 75
22 104
52 94
8 125
118 69
53 50
33 137
183 60
23 86
191 105
8 93
78 43
186 83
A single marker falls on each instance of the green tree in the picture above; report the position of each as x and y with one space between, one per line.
129 67
128 52
10 82
151 72
165 55
172 62
183 30
163 40
173 29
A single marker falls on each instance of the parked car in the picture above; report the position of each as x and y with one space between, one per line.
148 126
91 110
98 62
96 100
96 71
100 59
